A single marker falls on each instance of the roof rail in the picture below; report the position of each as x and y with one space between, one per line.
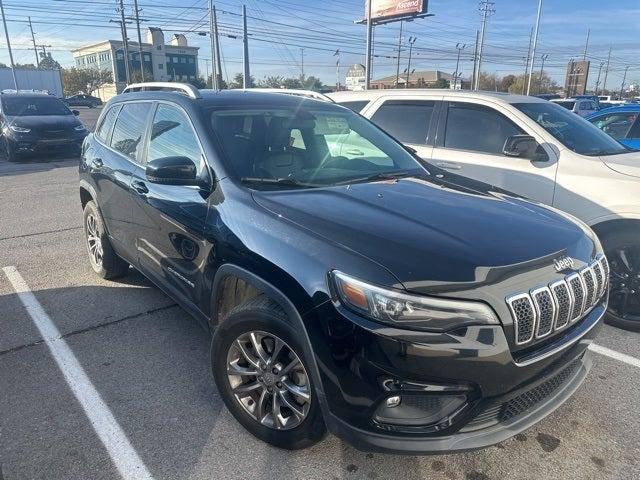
292 91
185 88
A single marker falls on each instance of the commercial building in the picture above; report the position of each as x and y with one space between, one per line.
576 80
426 79
175 61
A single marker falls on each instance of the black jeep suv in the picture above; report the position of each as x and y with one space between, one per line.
348 287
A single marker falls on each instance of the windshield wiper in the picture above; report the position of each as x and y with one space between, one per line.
285 181
381 176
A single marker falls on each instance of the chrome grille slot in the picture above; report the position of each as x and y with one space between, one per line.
549 308
545 310
564 303
577 289
524 317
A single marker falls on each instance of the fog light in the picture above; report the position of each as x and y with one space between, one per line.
393 401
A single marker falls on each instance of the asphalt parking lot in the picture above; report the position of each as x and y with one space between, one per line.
149 363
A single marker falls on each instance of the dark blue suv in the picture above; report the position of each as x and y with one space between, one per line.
347 286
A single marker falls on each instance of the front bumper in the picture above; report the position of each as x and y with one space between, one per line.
33 144
362 363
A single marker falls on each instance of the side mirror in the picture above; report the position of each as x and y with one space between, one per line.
75 112
173 171
521 146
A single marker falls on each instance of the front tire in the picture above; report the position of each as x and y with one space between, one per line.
103 259
622 249
262 375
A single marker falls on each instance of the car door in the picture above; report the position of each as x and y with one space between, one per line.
110 174
169 220
470 141
408 120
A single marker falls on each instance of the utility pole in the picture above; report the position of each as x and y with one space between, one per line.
35 47
526 63
606 72
212 39
399 47
474 85
456 76
218 66
367 78
586 45
486 8
412 40
599 72
137 18
624 79
302 62
6 33
337 54
535 43
543 58
246 76
125 42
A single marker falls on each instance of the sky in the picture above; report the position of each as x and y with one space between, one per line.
279 30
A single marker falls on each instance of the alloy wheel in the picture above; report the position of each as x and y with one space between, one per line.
94 244
268 379
624 289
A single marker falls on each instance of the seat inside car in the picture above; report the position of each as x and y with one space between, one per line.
280 159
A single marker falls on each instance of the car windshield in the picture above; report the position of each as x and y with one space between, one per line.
572 131
310 145
33 106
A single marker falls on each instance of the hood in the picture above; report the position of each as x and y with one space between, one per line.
426 229
626 163
44 121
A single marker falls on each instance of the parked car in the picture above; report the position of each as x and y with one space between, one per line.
403 310
581 107
82 100
622 123
594 98
36 123
536 149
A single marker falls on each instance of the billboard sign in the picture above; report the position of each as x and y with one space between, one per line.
395 8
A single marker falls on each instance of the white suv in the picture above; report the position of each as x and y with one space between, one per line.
532 147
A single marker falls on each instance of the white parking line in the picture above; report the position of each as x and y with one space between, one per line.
122 453
621 357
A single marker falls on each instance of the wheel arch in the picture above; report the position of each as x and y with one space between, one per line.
87 193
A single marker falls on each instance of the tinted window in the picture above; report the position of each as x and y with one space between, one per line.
616 125
309 143
406 120
129 128
356 105
477 128
32 106
635 130
107 122
573 131
567 105
172 135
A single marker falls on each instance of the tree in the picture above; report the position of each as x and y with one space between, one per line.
48 63
506 82
487 81
311 83
272 81
136 76
84 80
198 82
239 78
440 83
292 83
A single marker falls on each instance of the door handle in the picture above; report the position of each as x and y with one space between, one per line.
97 163
449 165
139 187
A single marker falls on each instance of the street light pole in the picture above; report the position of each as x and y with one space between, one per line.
535 44
212 41
457 74
218 66
399 47
367 77
6 33
543 58
486 8
246 75
412 40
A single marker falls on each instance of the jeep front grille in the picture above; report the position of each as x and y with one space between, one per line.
545 309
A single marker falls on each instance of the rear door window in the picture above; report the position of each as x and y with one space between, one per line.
355 105
477 128
129 128
406 120
616 125
104 129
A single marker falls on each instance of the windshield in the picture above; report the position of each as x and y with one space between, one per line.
32 106
572 131
307 146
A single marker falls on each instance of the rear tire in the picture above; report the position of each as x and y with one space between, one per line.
290 428
103 259
624 279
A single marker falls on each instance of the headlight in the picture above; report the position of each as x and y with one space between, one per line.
409 311
18 129
79 128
